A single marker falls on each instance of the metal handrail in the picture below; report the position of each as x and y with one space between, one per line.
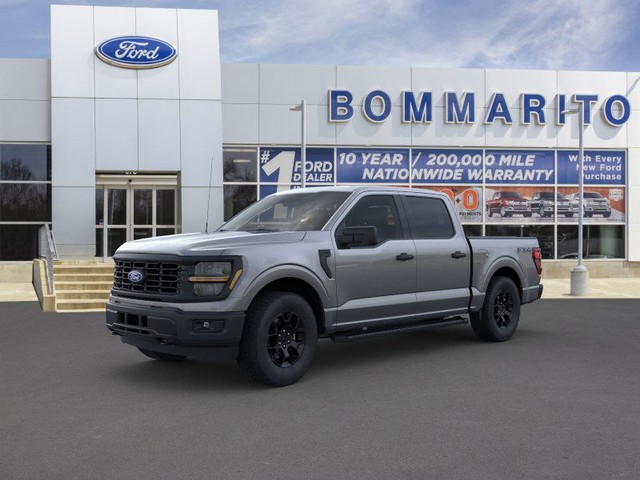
50 252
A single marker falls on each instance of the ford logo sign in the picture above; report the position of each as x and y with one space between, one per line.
135 276
136 52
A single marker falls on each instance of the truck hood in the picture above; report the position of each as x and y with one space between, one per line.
206 243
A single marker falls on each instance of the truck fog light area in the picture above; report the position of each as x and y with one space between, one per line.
208 326
207 289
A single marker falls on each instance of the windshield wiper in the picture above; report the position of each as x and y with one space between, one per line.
262 230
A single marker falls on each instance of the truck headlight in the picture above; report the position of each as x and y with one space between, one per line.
210 278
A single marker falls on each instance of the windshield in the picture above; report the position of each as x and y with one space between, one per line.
592 195
547 195
511 195
279 213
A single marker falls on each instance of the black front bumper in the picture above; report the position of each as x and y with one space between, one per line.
206 335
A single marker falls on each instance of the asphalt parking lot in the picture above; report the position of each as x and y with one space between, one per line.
560 400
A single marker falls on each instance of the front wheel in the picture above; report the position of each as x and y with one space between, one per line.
279 339
498 319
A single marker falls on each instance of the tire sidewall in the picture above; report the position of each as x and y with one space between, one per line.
496 333
256 338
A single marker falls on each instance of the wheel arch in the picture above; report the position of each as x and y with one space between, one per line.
299 287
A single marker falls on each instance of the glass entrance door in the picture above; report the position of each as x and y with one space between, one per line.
131 212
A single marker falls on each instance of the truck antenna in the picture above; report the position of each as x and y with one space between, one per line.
206 223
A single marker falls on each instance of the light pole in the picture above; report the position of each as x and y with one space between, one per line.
302 107
580 274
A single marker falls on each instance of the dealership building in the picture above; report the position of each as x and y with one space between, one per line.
134 129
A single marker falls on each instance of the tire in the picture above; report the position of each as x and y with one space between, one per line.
606 215
527 214
542 212
588 215
568 215
498 319
274 317
489 212
167 357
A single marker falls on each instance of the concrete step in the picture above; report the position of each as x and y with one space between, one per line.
75 304
84 269
86 277
93 285
82 294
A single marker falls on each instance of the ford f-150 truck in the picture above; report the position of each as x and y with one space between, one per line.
345 263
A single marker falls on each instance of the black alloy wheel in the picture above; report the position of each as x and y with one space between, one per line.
285 340
503 308
497 320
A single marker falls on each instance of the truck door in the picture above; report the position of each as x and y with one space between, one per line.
376 282
443 257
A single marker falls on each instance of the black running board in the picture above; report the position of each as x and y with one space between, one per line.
352 336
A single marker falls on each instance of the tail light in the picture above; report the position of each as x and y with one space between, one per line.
536 254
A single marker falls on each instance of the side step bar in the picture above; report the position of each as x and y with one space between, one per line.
352 336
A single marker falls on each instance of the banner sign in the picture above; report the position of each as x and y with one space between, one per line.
601 167
283 166
519 167
367 165
430 166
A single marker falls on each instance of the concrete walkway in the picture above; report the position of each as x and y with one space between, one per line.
553 288
17 292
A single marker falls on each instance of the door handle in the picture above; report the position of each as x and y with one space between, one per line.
458 254
403 257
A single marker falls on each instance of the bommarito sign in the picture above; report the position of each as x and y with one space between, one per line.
459 108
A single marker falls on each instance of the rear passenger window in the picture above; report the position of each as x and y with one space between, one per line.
428 218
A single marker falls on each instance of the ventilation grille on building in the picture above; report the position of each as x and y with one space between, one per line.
159 278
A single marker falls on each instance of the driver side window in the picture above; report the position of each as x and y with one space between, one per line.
378 211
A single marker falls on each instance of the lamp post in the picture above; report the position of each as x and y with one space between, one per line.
580 274
302 107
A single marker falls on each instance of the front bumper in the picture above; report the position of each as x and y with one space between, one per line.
208 335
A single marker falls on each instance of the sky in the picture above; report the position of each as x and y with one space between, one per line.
516 34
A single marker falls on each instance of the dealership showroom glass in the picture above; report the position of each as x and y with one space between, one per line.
134 129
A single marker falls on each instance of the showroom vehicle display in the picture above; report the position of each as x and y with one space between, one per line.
346 263
507 204
544 204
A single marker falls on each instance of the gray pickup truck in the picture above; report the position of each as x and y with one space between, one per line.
345 263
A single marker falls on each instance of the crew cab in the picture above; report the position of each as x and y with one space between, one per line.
594 204
507 204
345 263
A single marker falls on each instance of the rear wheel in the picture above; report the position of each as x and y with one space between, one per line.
279 339
167 357
498 319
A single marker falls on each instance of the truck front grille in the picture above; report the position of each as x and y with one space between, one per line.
158 277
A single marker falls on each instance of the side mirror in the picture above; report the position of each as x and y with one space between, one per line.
364 236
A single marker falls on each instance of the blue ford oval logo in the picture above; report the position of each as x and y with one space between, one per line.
135 276
136 52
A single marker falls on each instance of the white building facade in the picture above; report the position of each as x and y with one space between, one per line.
107 154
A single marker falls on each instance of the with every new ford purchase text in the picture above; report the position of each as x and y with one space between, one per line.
345 263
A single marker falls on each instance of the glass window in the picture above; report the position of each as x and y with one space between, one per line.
378 211
165 207
237 198
472 230
544 234
100 207
239 164
99 242
428 218
25 202
142 206
117 206
18 242
599 241
30 163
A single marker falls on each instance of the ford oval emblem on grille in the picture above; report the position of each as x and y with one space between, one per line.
136 52
135 276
